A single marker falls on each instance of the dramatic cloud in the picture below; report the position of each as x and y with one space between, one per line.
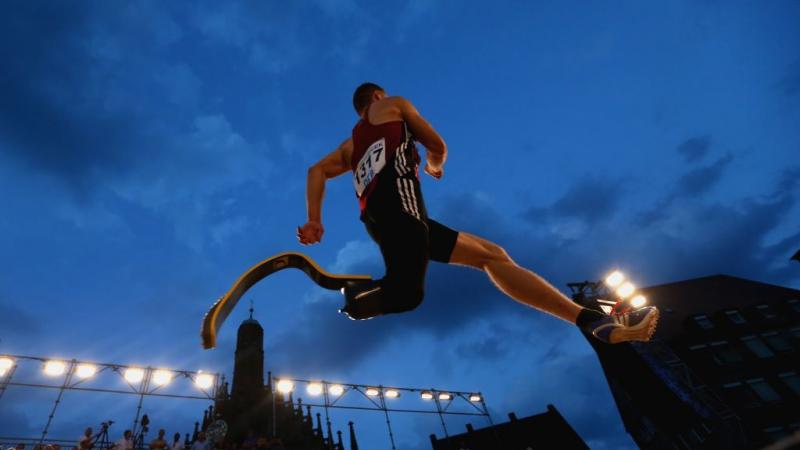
698 181
694 149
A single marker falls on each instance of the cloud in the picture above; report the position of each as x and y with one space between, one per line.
699 181
694 149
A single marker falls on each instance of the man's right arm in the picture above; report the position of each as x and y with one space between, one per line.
332 165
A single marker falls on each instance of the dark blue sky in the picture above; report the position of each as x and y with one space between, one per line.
150 152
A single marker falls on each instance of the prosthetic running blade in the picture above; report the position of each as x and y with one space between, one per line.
216 316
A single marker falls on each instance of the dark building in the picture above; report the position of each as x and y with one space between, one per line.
251 406
546 431
721 372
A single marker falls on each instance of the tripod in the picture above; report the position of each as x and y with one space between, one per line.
101 439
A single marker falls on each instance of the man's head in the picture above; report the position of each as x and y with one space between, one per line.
87 431
177 436
365 95
161 433
127 434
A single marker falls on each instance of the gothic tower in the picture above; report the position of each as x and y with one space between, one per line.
248 370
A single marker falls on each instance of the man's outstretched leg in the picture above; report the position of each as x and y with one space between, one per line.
530 289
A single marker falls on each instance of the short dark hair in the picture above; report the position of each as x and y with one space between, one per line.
362 95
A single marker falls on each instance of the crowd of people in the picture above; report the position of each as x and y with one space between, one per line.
92 441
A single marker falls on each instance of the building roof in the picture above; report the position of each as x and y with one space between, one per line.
681 300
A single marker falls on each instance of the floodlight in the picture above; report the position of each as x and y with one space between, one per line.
134 375
336 389
626 290
85 370
475 398
392 393
615 278
444 396
638 301
204 380
162 377
55 368
314 388
285 386
6 363
426 395
372 392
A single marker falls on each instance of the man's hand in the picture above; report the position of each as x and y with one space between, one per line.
310 233
434 169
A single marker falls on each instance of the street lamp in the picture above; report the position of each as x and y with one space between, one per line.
336 390
134 375
54 368
392 393
85 371
162 377
204 380
5 364
314 388
615 278
285 386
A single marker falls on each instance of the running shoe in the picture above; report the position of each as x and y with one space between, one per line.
637 325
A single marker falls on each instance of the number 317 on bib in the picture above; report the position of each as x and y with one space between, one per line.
371 164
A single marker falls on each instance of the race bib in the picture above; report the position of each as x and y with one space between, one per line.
371 164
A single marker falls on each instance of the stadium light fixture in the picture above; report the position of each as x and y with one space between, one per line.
475 398
5 364
162 377
615 278
54 368
336 389
85 371
314 388
444 396
372 392
285 386
392 393
133 375
204 380
626 289
638 301
426 395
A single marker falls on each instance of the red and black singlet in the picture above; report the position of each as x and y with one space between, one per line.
385 161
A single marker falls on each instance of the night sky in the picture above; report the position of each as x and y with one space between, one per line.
150 152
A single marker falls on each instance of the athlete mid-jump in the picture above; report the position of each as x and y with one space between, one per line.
385 163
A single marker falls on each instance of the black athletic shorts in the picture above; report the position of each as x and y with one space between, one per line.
397 221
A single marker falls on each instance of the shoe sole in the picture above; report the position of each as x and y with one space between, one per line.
641 332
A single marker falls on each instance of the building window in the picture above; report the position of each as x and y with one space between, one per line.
704 322
775 434
765 311
764 390
735 317
725 354
792 380
740 396
777 342
757 346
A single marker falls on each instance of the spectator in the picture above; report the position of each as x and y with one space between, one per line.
250 441
126 443
85 442
20 446
200 443
176 442
159 443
